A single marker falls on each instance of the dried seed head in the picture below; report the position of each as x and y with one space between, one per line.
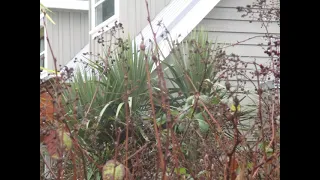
236 101
228 85
142 47
154 57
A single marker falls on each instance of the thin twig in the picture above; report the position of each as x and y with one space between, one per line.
272 126
44 160
138 151
153 115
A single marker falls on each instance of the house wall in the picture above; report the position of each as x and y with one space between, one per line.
68 36
133 16
223 23
227 25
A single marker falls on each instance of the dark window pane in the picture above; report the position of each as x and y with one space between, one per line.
41 40
41 45
104 11
42 60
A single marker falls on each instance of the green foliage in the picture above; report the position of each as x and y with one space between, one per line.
103 91
96 101
194 57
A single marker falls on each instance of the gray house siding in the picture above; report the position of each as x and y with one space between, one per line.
223 23
133 16
226 25
68 36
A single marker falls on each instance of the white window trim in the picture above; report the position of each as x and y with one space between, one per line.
42 52
41 21
109 22
44 73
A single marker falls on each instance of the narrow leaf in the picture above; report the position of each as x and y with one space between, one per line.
118 109
104 109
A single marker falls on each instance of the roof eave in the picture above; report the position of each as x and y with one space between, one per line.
68 5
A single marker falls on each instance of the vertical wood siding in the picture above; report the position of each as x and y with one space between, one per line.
68 36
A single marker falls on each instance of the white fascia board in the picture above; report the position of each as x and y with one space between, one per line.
66 4
80 65
71 64
80 55
189 21
167 16
180 17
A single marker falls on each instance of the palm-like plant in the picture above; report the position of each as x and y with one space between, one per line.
191 64
101 94
192 67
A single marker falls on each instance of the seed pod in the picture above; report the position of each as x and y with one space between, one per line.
228 85
154 57
113 168
65 139
142 47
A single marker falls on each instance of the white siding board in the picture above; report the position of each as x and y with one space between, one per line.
131 11
60 46
77 32
65 41
237 26
227 25
234 3
68 36
159 4
227 13
226 37
246 50
71 26
138 17
82 19
85 30
54 40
